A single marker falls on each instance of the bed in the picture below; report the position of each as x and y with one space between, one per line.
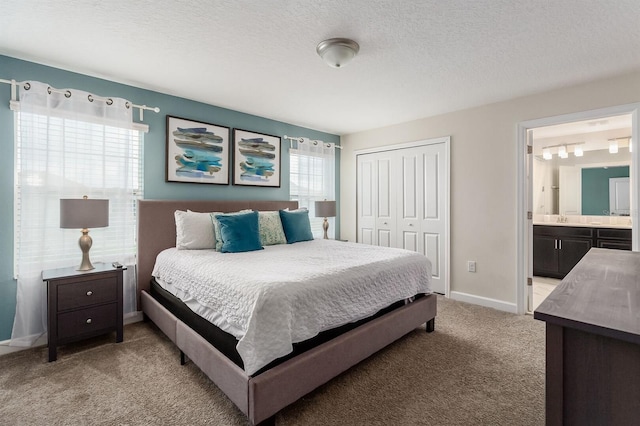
260 390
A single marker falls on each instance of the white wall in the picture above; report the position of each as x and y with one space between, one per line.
483 175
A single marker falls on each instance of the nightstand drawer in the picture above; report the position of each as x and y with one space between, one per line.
77 323
87 293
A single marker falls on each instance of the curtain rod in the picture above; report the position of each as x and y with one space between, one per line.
301 140
14 96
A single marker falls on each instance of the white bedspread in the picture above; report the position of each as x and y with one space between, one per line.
272 298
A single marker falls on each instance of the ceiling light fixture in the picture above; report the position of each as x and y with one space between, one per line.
562 151
337 52
546 154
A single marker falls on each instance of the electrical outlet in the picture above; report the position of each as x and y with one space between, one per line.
471 266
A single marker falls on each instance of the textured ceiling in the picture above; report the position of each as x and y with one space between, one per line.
417 58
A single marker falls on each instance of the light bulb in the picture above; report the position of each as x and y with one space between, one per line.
613 146
562 152
546 154
578 151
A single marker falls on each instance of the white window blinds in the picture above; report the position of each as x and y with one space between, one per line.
63 158
312 178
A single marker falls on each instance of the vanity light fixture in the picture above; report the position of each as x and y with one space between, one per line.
578 151
546 154
562 151
613 146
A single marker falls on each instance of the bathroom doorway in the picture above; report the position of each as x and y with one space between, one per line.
578 152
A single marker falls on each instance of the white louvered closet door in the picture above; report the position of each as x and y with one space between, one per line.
403 202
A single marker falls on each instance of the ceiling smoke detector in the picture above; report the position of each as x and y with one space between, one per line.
337 52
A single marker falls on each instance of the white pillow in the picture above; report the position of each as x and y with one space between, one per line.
194 231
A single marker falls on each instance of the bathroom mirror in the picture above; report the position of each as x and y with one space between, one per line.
578 185
573 163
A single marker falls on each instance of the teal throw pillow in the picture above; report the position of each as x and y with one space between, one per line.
296 225
216 227
239 232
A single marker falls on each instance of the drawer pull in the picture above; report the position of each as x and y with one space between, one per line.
89 293
89 321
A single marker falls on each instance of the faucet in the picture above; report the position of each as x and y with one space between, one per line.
562 219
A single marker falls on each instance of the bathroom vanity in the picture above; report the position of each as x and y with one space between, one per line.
558 247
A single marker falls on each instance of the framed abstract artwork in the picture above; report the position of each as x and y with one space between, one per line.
197 152
256 159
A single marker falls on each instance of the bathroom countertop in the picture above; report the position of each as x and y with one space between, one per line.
584 225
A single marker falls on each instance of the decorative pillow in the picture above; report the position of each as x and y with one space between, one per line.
296 225
216 226
271 231
194 231
239 232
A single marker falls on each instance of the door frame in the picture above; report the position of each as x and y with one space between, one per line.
524 186
447 192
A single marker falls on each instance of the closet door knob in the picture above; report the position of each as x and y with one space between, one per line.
89 293
88 320
411 224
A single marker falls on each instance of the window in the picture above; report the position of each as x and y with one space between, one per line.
312 178
63 158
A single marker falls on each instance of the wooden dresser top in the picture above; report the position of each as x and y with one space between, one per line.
600 295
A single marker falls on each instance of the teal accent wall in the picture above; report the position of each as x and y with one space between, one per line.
595 188
155 186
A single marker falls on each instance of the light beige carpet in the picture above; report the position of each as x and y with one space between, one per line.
480 367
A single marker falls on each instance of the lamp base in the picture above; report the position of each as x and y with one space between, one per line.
85 243
325 226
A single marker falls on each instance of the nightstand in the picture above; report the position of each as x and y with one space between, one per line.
83 304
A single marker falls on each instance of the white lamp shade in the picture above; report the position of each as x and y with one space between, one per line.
84 213
325 208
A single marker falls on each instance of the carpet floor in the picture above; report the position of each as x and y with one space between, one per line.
480 367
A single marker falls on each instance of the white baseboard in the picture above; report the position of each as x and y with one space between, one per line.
484 301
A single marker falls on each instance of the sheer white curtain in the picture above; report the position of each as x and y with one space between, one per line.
69 144
313 178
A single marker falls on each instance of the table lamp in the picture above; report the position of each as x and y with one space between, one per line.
83 214
325 209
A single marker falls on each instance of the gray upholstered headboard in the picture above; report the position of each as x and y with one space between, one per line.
157 226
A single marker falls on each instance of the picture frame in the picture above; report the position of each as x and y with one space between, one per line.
256 159
197 152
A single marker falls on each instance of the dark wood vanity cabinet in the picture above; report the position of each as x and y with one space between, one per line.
619 239
557 249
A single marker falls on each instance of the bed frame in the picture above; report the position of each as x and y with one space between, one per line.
262 396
